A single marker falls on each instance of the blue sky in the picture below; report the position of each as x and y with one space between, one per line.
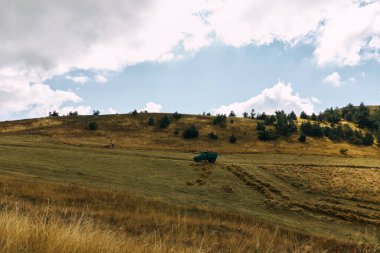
187 56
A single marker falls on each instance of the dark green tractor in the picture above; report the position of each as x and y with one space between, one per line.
203 156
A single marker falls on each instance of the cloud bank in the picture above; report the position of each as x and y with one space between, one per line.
42 39
278 97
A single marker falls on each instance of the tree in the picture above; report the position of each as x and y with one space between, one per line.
151 121
191 132
303 115
233 139
177 115
267 135
313 117
348 112
74 113
93 126
220 119
232 114
95 112
260 126
253 113
284 126
53 114
213 136
134 113
245 114
302 138
368 139
362 116
164 122
292 116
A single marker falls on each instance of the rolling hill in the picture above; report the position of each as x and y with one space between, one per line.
136 184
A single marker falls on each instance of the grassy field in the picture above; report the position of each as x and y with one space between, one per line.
147 193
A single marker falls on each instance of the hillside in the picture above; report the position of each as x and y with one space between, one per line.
128 131
145 193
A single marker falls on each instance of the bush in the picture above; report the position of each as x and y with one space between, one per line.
95 112
260 126
92 126
176 131
75 113
267 135
151 121
220 119
191 132
232 114
343 151
213 136
134 113
164 122
177 115
302 138
233 138
53 114
368 139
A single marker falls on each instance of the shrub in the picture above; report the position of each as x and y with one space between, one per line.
177 115
75 113
232 114
164 122
176 131
368 139
93 126
233 138
213 136
302 138
151 121
267 135
220 119
343 151
245 114
191 132
134 113
95 112
53 114
260 126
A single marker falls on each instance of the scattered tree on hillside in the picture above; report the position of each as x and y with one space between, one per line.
232 114
245 114
92 126
292 116
213 136
151 121
302 138
177 115
164 122
284 126
53 114
95 112
134 113
74 113
267 135
220 120
233 139
303 115
260 126
253 113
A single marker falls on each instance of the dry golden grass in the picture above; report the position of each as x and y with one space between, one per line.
47 217
127 131
347 182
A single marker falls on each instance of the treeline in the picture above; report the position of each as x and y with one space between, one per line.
271 127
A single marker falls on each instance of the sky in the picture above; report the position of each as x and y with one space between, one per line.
187 56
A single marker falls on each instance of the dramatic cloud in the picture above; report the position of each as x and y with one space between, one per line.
78 79
152 107
333 79
279 97
42 39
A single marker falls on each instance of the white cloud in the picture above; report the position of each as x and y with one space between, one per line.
279 97
42 39
333 79
152 107
110 111
352 79
363 74
82 110
101 78
78 79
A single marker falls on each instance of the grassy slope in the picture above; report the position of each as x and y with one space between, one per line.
159 165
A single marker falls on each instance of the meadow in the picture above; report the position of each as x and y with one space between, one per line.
130 187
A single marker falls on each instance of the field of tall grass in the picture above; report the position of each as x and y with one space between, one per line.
54 217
